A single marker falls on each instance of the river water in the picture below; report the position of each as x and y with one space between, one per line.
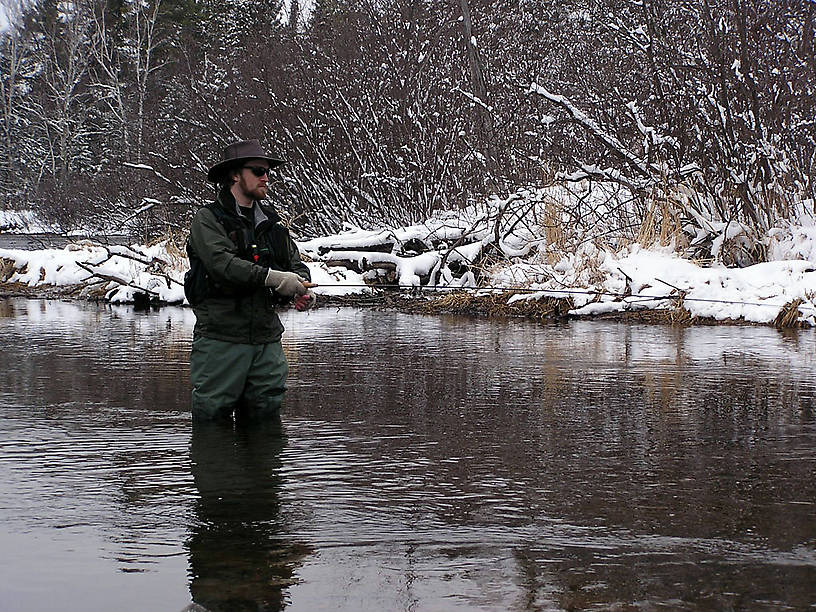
424 463
33 242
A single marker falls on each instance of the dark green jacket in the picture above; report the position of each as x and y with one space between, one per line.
238 307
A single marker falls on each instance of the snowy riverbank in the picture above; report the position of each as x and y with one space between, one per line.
451 253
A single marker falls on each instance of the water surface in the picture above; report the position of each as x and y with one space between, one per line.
36 241
428 463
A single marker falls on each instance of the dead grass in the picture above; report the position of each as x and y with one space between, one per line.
588 269
680 315
465 303
7 269
661 225
175 248
553 225
496 305
789 315
677 317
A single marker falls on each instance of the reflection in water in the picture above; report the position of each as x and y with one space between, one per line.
555 466
238 557
430 463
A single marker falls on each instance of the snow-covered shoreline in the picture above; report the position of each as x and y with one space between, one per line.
484 250
636 279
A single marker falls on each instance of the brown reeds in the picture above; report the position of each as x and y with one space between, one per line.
497 305
680 315
7 269
661 223
789 315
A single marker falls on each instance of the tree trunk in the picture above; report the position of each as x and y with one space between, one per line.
477 82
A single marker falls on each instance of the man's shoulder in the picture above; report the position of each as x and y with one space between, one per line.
203 215
209 212
206 222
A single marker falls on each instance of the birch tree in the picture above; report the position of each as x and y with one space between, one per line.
64 123
479 94
16 67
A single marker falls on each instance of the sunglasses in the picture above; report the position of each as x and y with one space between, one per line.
258 171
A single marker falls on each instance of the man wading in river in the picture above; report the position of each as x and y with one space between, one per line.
243 264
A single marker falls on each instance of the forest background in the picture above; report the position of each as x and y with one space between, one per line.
697 116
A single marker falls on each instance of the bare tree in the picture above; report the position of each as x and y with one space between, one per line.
479 97
64 52
391 109
15 60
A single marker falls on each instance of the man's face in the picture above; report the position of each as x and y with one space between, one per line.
254 187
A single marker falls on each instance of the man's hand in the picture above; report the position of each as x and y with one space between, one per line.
307 300
288 284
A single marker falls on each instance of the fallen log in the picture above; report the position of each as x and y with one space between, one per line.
362 265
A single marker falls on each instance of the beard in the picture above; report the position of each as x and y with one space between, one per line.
259 193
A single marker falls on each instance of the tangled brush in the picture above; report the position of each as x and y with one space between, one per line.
789 315
497 305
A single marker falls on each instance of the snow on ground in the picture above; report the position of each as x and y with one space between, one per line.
636 279
598 279
21 221
336 280
655 278
122 272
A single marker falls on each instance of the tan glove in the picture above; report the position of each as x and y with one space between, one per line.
288 284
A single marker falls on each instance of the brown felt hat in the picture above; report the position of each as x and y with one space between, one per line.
236 153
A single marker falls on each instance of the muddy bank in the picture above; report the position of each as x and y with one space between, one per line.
52 292
497 306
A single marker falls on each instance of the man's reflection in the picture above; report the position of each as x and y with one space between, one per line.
238 557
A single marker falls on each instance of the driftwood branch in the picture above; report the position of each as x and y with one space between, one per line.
155 263
361 265
459 242
148 204
115 279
